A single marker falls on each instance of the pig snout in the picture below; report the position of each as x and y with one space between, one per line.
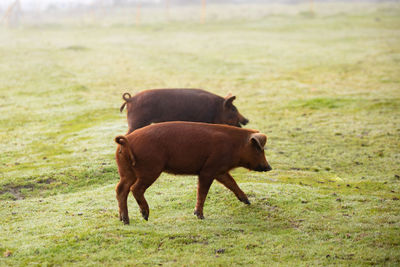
244 121
263 168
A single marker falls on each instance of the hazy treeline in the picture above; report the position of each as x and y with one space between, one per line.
34 5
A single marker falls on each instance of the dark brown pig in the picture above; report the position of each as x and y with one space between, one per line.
207 150
197 105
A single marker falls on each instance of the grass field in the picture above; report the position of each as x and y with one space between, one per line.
324 87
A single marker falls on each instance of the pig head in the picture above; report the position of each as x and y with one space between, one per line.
229 114
252 155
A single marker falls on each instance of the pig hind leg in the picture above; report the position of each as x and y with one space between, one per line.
122 191
228 181
138 190
136 124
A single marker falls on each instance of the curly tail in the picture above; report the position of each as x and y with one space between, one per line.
123 142
126 97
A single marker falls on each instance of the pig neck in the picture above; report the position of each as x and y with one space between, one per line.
243 164
219 111
243 150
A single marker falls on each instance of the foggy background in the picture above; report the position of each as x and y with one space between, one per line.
19 12
42 5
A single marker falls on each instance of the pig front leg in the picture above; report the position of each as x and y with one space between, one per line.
228 181
203 186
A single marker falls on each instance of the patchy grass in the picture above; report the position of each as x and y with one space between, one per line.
324 87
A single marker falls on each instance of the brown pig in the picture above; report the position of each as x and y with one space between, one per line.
160 105
207 150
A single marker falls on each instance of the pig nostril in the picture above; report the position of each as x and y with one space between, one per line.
263 168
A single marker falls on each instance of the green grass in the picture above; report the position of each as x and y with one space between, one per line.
325 88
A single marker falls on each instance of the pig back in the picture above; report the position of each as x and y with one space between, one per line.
185 147
161 105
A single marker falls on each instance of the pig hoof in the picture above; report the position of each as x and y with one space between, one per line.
125 220
145 216
200 216
245 201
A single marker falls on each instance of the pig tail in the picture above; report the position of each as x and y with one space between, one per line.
123 142
126 97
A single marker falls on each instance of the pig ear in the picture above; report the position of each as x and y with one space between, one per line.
228 100
259 140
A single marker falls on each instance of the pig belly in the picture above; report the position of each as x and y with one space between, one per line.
185 165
